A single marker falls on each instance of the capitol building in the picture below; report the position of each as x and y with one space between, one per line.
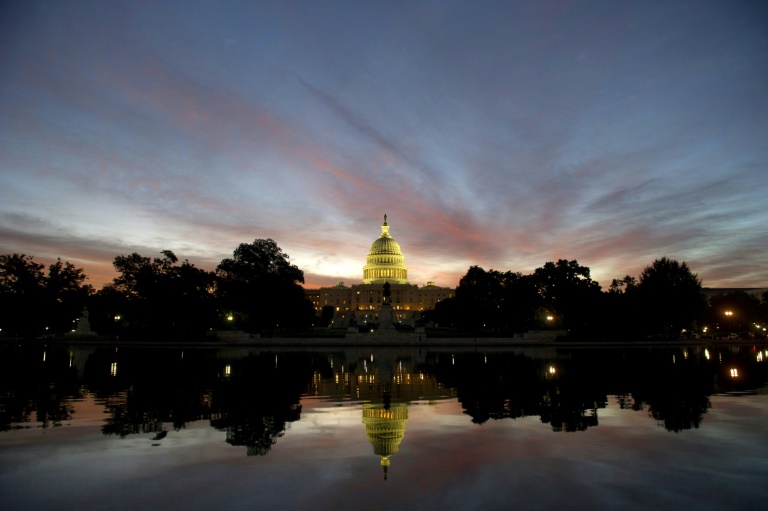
360 304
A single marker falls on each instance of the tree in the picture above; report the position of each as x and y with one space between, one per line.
327 314
502 301
669 297
158 297
67 294
520 301
625 285
22 295
568 291
260 284
479 297
33 303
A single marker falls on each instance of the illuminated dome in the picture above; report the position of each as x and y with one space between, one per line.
385 261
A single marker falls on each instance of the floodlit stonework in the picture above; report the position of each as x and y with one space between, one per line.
361 303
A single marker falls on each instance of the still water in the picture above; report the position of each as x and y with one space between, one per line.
568 428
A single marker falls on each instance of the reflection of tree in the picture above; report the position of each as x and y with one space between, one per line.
569 417
672 385
678 412
255 401
142 390
36 382
566 389
493 387
255 425
252 399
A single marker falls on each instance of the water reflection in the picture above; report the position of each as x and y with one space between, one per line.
253 396
385 427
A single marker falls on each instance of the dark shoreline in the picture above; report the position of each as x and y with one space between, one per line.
373 342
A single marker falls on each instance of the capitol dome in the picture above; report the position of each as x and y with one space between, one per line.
385 261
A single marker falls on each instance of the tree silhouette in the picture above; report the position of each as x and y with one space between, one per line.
33 303
669 297
567 290
259 283
156 297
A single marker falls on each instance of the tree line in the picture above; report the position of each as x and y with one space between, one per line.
665 301
258 290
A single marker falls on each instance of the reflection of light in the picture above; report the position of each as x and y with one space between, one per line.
734 373
453 361
673 359
706 353
43 356
227 370
685 354
759 356
113 369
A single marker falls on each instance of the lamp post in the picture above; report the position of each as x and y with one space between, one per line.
729 320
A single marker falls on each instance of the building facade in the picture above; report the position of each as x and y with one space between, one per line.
360 303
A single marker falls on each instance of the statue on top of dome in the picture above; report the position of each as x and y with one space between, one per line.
385 219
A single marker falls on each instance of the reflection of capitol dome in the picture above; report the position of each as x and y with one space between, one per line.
385 429
385 261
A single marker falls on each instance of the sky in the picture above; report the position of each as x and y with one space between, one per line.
500 134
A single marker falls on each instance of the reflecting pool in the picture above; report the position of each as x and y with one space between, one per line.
572 428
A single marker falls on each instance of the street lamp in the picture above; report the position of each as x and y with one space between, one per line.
729 320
